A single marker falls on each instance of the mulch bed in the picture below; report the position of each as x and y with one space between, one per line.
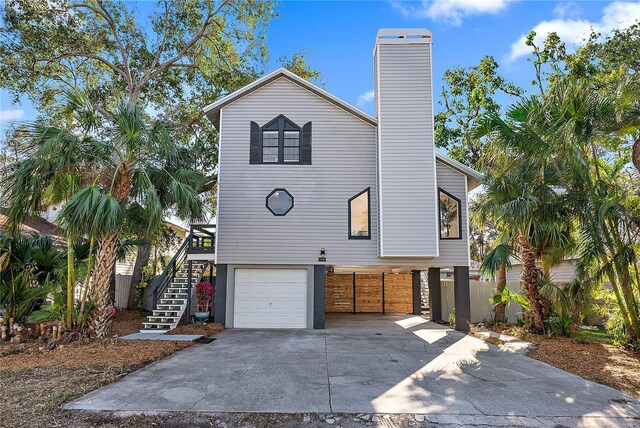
596 361
207 329
35 380
110 352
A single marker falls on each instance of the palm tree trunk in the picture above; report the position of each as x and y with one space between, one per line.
142 260
70 284
546 269
500 308
530 280
624 280
87 282
100 318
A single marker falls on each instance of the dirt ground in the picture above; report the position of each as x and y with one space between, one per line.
127 322
593 360
36 380
110 352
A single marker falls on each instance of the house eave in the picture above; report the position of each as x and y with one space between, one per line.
212 111
475 178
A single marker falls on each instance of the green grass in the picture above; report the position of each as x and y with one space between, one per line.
600 335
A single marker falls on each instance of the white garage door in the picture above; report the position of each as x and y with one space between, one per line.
270 298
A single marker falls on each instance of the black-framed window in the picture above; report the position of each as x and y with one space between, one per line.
269 146
280 141
449 215
279 202
360 215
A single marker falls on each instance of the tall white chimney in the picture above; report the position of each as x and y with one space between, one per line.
408 206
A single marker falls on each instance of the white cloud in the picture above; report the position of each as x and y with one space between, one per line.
563 10
366 98
450 11
574 31
12 114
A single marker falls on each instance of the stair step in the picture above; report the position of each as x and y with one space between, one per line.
169 307
168 295
177 290
166 312
166 323
173 302
161 318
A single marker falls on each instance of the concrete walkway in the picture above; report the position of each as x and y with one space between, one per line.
365 364
162 336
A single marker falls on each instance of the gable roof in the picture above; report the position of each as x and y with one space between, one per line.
212 111
474 176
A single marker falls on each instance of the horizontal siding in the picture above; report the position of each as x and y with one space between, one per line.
125 267
454 252
565 271
343 164
405 114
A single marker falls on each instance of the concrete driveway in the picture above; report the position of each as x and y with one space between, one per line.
364 364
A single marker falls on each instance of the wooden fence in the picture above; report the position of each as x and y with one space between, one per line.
122 290
481 308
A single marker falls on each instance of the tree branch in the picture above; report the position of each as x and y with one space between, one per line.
83 55
156 57
195 39
121 47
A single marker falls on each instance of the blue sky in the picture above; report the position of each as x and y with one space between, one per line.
339 37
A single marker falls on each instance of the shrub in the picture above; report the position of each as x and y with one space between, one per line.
561 325
204 293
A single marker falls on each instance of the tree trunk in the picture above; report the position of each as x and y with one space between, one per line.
142 260
87 282
635 154
530 279
500 308
68 319
100 318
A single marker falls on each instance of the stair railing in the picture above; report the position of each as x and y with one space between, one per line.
203 238
161 282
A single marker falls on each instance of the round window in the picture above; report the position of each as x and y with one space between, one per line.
279 202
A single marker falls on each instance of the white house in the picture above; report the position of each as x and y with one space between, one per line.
323 207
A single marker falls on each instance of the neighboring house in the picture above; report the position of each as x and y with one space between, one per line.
125 267
324 208
563 272
35 225
474 272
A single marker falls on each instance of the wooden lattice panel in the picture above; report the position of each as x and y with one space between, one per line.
398 296
339 293
397 293
369 293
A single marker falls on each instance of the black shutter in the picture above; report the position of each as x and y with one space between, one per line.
255 149
305 146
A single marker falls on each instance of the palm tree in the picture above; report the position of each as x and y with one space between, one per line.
494 254
523 198
523 192
111 159
495 265
590 127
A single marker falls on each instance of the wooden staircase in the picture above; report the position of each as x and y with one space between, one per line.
173 303
424 298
